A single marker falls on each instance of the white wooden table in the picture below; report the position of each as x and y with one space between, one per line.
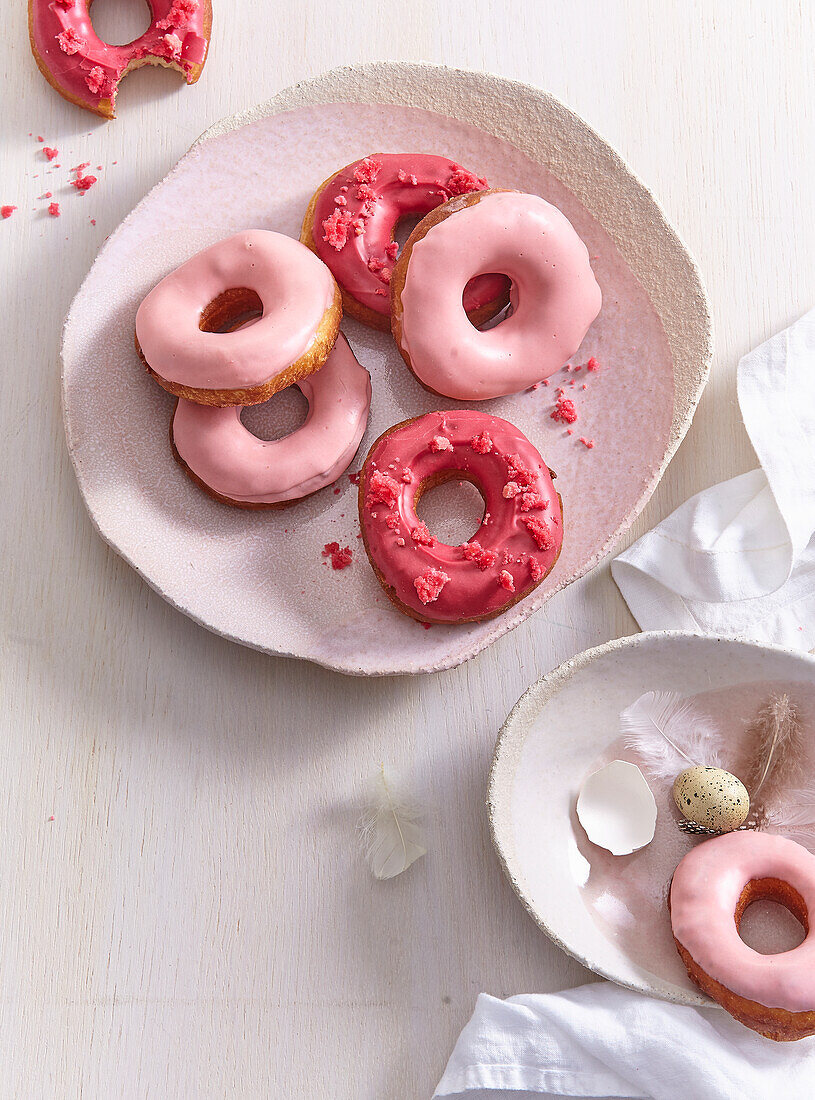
196 921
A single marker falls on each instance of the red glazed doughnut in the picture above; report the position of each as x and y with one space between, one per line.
352 217
516 545
86 71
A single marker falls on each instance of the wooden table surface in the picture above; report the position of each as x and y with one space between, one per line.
184 909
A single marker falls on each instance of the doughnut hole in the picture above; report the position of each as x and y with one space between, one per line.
119 22
771 916
501 315
282 414
450 504
232 309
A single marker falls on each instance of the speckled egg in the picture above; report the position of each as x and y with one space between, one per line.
712 797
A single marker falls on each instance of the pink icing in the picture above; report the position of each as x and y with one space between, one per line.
705 890
226 456
89 70
502 559
555 297
372 195
295 288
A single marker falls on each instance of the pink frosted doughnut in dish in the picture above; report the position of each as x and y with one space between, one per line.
180 324
711 888
555 295
515 547
352 218
234 466
86 71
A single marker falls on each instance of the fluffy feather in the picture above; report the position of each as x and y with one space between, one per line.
389 827
795 816
776 752
669 734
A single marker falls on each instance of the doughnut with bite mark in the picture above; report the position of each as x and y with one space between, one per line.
87 71
554 296
179 325
711 888
352 218
515 547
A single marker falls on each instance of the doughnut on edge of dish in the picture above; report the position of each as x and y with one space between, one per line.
351 305
106 107
430 483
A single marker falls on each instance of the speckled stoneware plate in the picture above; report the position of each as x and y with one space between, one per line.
610 912
260 578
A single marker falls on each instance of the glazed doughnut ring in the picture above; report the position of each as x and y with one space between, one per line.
711 888
179 325
351 221
231 464
554 294
87 71
516 545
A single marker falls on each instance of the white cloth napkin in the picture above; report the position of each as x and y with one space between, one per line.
739 558
604 1041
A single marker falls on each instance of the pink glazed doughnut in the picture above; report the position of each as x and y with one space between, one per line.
555 295
179 325
233 466
86 71
516 545
351 221
711 888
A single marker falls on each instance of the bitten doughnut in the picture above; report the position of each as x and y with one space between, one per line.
352 217
516 545
711 888
179 324
555 296
234 466
87 71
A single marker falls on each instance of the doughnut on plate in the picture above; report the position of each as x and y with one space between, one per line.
260 579
610 912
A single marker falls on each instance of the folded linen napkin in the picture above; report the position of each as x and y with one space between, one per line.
739 558
604 1041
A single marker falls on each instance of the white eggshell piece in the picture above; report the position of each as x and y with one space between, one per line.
616 808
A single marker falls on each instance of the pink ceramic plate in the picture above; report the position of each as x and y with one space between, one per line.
260 578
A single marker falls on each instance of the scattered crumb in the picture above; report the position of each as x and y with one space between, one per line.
340 558
7 211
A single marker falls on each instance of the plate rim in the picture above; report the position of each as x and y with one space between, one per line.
394 83
510 738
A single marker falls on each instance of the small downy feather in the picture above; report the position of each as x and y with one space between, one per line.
669 734
776 736
794 817
389 827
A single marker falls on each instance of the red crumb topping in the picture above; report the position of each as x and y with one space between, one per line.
173 44
340 200
462 182
51 153
564 410
96 79
354 478
392 520
510 490
7 211
536 569
83 183
70 42
539 532
392 250
378 268
53 209
382 488
367 170
179 13
587 442
440 443
405 178
335 228
421 535
481 443
429 584
340 558
532 500
406 475
379 290
506 580
366 193
64 3
519 471
592 364
484 559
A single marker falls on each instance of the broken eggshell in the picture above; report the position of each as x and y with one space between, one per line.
617 809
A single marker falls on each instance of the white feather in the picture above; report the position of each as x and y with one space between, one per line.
389 828
669 734
795 816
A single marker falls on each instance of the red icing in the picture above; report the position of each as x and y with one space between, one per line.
508 536
7 211
564 410
53 209
377 192
429 585
340 558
